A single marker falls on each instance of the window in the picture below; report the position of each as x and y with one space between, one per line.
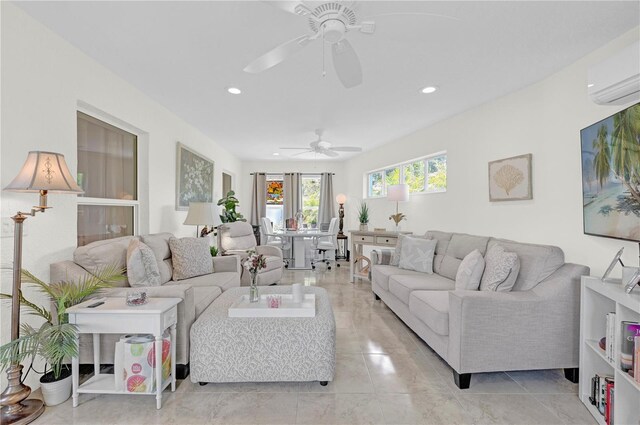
423 175
108 174
275 197
310 200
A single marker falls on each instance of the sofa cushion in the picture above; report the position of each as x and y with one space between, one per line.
159 243
402 286
417 254
203 296
381 274
142 267
443 239
459 247
272 263
236 236
432 308
537 262
97 255
190 257
501 270
470 271
222 280
395 256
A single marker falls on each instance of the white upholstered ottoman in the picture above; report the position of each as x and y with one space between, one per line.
240 349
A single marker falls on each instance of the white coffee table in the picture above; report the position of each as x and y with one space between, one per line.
115 316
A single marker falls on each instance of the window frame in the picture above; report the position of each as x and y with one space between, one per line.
309 176
401 165
140 168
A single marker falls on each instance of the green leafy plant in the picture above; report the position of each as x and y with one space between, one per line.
214 251
55 340
363 213
230 202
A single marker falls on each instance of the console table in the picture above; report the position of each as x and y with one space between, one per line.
371 238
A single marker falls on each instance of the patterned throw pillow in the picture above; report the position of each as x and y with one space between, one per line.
417 254
395 256
142 267
470 271
501 270
191 257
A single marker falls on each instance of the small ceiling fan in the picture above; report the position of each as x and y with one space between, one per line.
331 22
324 148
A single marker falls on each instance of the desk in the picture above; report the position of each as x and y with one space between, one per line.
371 238
298 247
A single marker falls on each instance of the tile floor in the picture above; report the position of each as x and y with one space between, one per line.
385 374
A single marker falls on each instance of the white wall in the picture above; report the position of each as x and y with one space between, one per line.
544 119
248 167
43 80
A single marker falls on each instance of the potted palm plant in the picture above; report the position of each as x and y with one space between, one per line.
363 216
56 339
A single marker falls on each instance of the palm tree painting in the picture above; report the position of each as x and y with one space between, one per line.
611 176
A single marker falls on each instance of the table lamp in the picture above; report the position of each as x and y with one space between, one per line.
201 214
341 199
42 172
398 193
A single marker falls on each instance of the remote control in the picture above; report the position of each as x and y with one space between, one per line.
95 304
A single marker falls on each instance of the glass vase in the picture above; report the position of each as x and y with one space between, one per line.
253 289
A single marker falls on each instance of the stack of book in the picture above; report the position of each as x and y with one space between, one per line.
602 391
610 337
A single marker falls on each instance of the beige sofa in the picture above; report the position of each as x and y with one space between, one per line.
196 293
535 326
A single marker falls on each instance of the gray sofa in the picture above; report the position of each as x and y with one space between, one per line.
196 293
535 326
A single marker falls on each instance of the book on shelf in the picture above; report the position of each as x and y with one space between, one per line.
600 391
610 336
636 357
627 345
608 410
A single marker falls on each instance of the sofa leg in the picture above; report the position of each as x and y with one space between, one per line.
182 371
572 374
377 298
462 380
202 384
324 383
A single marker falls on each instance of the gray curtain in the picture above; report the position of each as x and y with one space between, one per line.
258 198
326 209
292 188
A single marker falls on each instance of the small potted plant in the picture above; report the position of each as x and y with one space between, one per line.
363 216
56 339
230 203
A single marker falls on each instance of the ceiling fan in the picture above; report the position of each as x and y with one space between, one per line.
324 148
331 22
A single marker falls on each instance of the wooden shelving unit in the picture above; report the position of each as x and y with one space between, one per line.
597 299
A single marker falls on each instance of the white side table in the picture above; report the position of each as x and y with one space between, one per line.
115 316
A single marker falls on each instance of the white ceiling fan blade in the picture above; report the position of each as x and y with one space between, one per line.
294 148
347 149
329 152
347 64
435 15
277 55
302 153
295 7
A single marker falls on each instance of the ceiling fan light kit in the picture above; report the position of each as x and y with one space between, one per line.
323 147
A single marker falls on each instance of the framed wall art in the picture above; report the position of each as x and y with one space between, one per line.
194 178
510 179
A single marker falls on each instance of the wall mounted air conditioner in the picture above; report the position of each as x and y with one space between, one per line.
616 81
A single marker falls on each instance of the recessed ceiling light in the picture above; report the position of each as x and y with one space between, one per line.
589 85
429 89
234 90
276 154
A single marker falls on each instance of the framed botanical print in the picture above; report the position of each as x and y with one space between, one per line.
510 179
194 178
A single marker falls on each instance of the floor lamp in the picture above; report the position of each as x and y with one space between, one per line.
398 193
42 172
201 214
341 199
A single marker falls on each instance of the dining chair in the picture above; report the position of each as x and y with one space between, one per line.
273 239
327 243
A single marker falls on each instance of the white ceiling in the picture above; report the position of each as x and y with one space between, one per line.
184 55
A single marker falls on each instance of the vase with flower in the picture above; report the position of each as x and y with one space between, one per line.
254 263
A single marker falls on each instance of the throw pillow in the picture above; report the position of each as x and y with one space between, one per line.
470 271
501 270
191 257
142 267
395 255
417 254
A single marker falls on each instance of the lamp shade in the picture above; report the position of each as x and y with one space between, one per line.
201 213
44 171
341 198
398 192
